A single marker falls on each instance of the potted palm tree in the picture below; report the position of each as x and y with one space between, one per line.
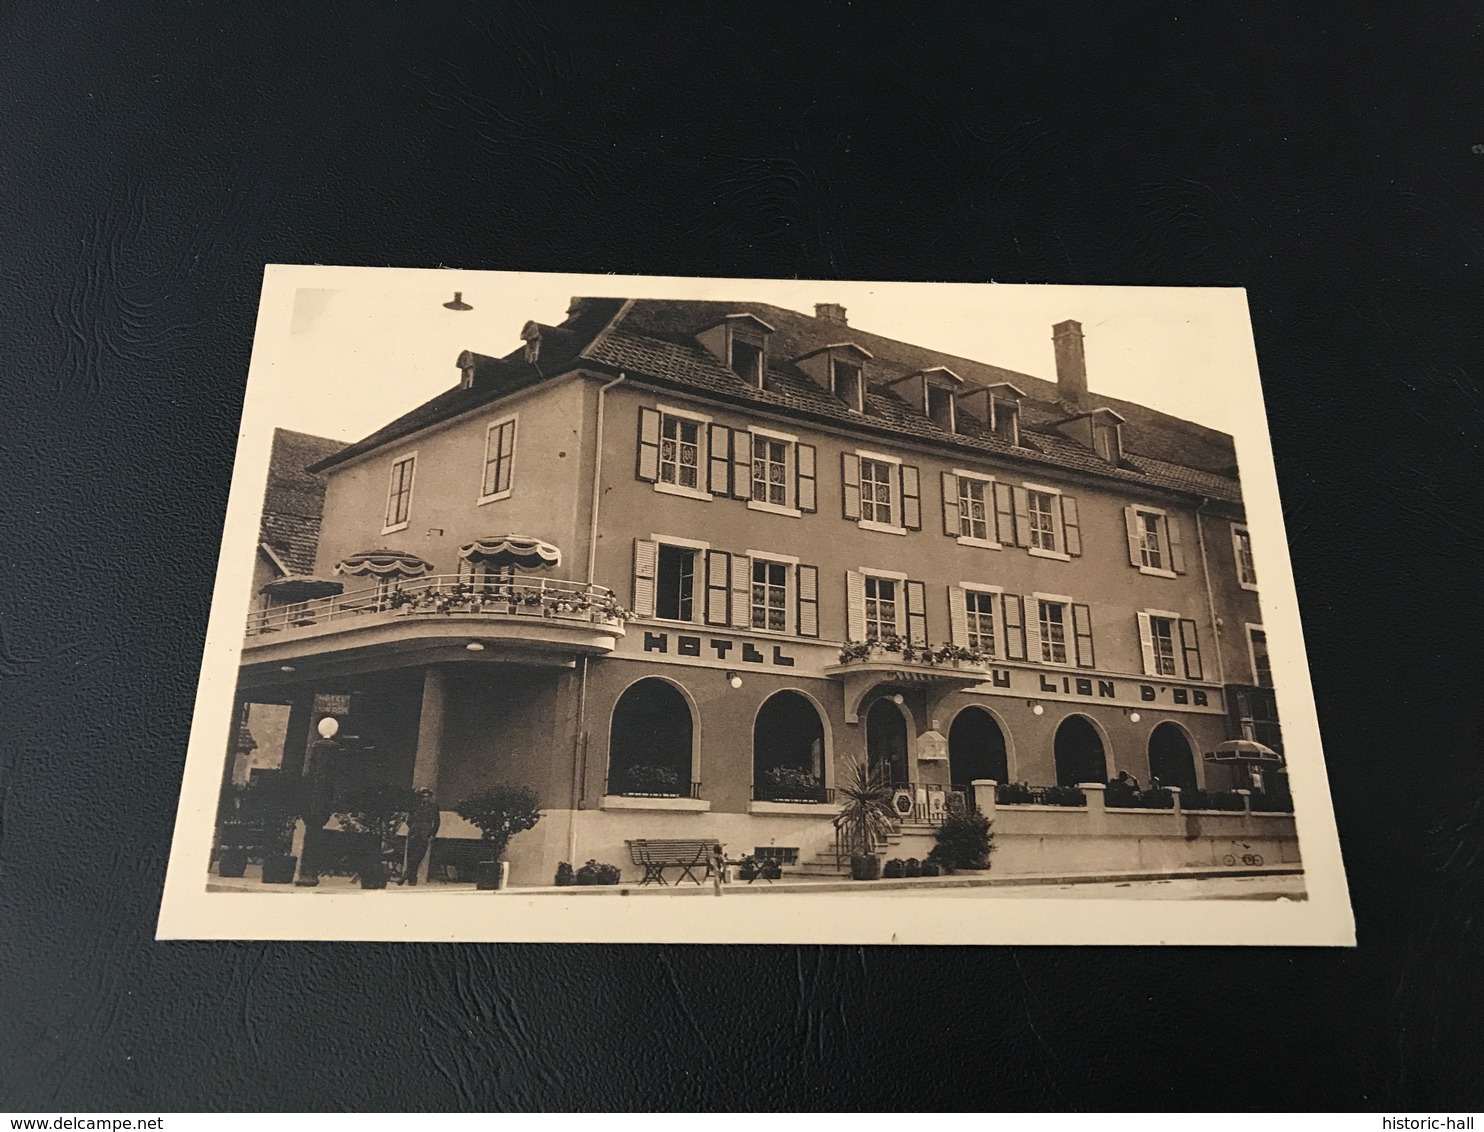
865 818
499 813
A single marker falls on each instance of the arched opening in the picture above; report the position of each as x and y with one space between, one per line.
976 749
788 750
1171 761
651 741
886 740
1079 752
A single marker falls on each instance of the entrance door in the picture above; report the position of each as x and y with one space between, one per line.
976 749
1170 757
886 740
1079 753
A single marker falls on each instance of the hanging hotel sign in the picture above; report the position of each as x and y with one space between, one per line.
805 658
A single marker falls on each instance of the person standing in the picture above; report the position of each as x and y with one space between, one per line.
422 826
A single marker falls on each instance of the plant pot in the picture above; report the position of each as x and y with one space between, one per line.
279 870
492 876
232 863
373 874
865 868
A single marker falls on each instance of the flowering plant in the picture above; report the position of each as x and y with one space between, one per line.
912 654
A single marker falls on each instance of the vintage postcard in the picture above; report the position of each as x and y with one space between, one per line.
603 608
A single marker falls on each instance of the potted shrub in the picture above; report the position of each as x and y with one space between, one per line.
792 784
749 870
375 812
772 870
865 818
564 877
499 813
270 805
965 841
648 778
232 862
931 868
892 870
912 867
597 873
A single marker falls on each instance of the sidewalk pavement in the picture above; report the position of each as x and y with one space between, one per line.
343 885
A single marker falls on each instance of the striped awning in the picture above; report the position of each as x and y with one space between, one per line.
520 551
1243 751
384 564
302 587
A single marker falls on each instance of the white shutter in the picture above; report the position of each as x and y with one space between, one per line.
648 468
911 498
916 595
741 591
855 605
741 464
645 555
1022 516
1014 623
1146 644
718 586
951 526
850 485
719 445
1033 630
1131 525
806 495
1004 514
958 616
1177 551
808 590
1082 633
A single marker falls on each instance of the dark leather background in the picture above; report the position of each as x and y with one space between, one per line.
152 159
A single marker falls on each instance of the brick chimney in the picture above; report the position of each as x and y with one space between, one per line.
830 312
1071 364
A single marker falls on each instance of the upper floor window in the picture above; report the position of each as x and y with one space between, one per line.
399 494
499 460
1040 507
1262 668
1242 549
973 508
880 492
680 451
770 460
1169 643
1052 616
675 454
1154 544
881 607
769 606
979 620
847 383
675 582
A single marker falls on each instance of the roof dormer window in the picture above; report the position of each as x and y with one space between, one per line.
1107 440
1005 420
940 407
848 383
747 360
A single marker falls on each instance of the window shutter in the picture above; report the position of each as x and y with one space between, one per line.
1022 516
741 592
1177 552
917 633
1033 630
911 498
1146 643
1192 648
808 589
850 485
719 441
1082 631
645 554
1004 514
855 605
741 464
649 445
1014 622
806 494
958 616
951 525
1131 525
1071 528
718 586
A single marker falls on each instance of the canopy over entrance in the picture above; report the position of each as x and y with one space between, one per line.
384 564
519 551
301 587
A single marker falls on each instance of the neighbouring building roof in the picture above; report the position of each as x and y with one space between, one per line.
654 341
294 501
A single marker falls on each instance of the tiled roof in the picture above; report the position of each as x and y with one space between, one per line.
654 340
294 500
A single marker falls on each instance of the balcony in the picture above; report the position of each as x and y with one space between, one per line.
439 618
865 664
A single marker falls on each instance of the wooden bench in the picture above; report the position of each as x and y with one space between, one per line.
657 855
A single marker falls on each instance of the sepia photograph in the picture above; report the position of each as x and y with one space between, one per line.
881 611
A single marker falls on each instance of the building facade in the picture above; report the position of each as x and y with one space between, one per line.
774 545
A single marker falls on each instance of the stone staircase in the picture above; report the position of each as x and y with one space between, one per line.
824 864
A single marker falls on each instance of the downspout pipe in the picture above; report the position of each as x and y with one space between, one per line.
1200 535
579 747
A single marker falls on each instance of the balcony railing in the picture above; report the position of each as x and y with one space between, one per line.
452 596
764 792
623 787
1127 799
